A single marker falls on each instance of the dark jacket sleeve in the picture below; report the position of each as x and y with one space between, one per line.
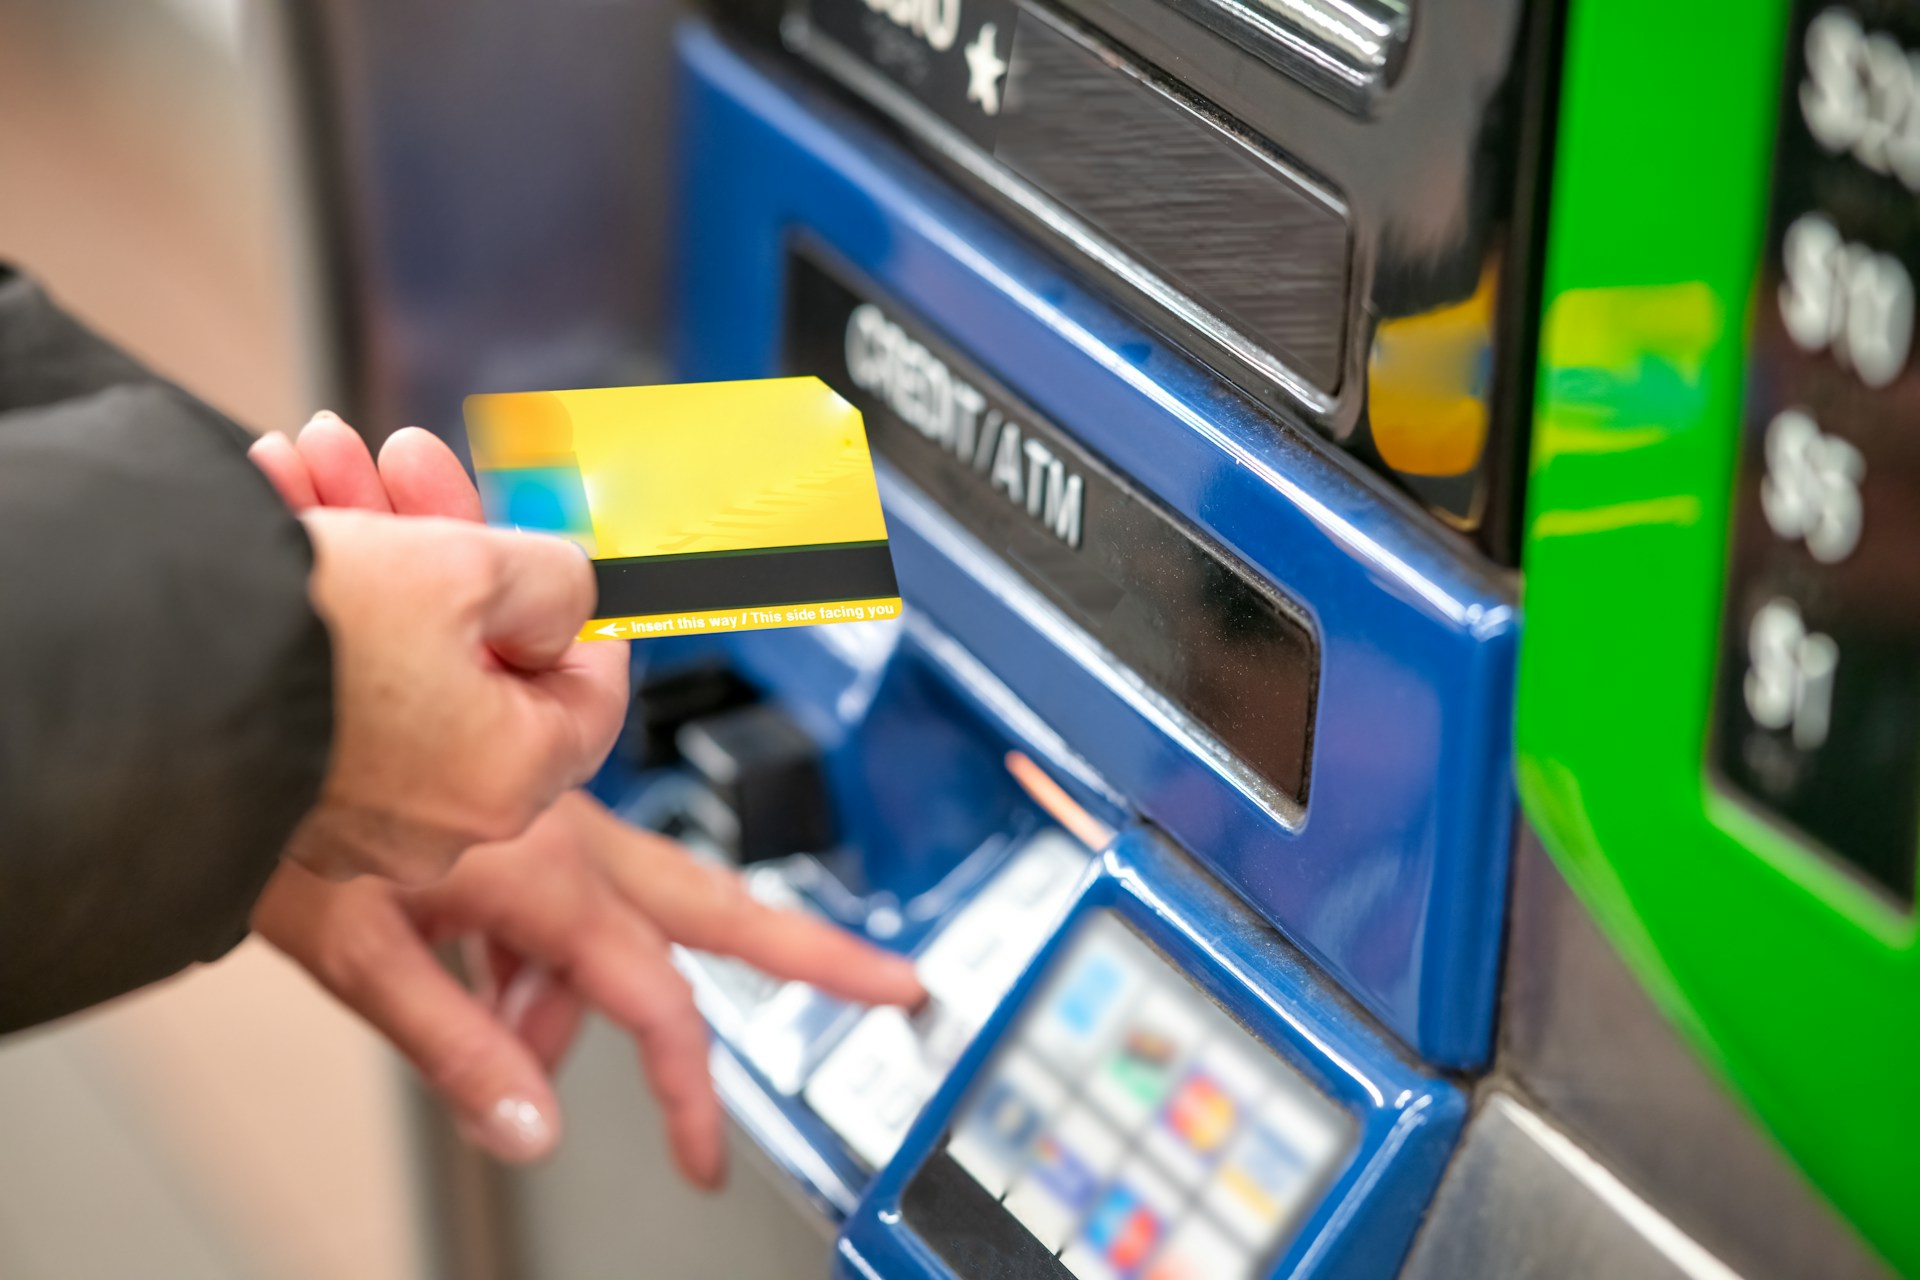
165 685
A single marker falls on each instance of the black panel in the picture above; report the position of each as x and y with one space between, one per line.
1179 611
969 1229
664 700
1818 706
1219 219
1331 203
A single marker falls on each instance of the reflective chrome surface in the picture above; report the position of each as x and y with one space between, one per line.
1584 1039
1348 50
1522 1200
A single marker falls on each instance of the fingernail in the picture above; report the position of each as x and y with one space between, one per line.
516 1001
324 415
516 1129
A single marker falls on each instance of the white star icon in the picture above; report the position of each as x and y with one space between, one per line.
984 69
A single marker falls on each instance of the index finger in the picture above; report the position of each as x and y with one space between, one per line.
709 909
804 948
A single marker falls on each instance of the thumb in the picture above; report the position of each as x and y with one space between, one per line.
543 594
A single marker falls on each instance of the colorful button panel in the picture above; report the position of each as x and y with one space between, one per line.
1136 1131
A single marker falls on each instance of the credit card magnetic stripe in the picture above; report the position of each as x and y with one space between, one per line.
638 585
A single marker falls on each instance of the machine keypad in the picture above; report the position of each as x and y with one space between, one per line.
872 1084
780 1027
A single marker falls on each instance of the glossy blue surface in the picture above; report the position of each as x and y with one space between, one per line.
1407 1120
1394 878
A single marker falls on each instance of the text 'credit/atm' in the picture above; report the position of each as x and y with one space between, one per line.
917 385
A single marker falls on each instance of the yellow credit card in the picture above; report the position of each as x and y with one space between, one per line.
710 507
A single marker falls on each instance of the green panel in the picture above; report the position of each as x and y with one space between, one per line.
1801 985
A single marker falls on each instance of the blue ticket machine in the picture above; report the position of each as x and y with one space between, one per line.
1217 1044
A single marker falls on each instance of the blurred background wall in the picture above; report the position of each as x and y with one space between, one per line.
376 206
234 1123
145 174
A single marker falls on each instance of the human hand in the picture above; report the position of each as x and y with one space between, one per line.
594 902
329 467
533 899
463 706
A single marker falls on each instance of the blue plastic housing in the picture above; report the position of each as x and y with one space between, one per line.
1393 877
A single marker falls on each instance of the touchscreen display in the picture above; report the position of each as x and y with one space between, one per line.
1131 1129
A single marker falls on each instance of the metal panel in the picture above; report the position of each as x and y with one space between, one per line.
1350 51
1584 1039
1523 1200
1219 217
